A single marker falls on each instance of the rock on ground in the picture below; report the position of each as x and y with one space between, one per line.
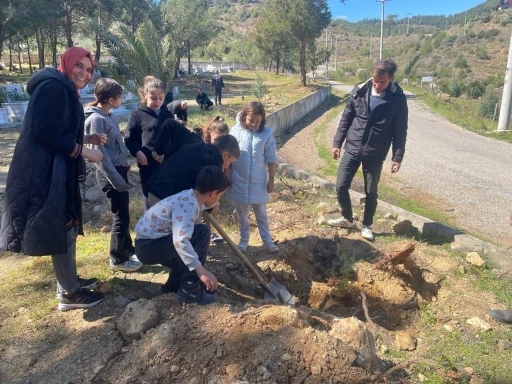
138 317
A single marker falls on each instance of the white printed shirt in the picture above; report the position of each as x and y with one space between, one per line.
175 214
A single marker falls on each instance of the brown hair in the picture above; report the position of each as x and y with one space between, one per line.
217 124
384 66
253 108
104 89
150 82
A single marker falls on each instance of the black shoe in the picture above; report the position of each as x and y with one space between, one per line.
216 239
82 298
87 283
195 293
502 316
168 289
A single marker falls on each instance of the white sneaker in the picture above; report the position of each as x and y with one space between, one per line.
242 246
134 258
127 266
341 222
367 233
271 247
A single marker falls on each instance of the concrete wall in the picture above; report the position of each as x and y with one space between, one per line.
286 117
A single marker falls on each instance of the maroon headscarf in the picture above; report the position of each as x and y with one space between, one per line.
69 59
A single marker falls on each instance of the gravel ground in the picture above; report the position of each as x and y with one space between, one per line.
465 174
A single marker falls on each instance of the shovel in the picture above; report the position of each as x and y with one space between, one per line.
273 290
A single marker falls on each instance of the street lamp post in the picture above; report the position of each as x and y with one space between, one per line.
408 15
381 28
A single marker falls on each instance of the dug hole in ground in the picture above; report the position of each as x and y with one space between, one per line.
327 337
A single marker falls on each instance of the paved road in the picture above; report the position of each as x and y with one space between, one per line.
468 175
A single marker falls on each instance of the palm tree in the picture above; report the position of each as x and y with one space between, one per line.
137 55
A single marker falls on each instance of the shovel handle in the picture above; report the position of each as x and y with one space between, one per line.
208 216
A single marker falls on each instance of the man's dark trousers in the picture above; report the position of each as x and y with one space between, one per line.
218 96
371 171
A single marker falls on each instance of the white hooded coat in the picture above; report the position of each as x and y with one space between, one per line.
249 173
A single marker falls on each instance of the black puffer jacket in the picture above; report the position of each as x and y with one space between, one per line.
369 135
42 193
143 126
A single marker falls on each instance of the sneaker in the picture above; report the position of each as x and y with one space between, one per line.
367 233
168 289
341 222
87 283
271 247
135 258
195 293
82 298
216 239
209 254
242 246
127 266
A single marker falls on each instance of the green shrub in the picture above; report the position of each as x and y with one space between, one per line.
461 62
488 104
481 53
455 88
259 89
475 89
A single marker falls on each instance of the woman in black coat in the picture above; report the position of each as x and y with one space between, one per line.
42 213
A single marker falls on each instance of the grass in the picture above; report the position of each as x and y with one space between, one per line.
462 113
334 102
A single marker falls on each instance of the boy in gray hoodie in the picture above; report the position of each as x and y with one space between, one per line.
112 172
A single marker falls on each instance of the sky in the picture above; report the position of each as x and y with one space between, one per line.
355 10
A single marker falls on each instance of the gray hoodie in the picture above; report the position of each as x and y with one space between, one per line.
115 153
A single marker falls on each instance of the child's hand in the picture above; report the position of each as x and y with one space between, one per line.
270 185
157 157
95 139
141 158
207 278
216 210
93 155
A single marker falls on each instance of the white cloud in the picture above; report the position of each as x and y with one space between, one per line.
340 17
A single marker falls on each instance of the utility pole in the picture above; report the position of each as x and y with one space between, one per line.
465 13
336 55
381 28
327 62
408 15
371 45
504 121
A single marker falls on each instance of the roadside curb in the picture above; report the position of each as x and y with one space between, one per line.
459 240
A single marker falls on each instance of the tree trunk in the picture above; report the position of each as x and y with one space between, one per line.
97 54
189 59
302 62
177 64
40 47
2 37
278 61
10 55
53 42
282 70
29 58
69 29
19 57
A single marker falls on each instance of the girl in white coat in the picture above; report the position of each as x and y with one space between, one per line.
250 183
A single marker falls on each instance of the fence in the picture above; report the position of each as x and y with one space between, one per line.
286 117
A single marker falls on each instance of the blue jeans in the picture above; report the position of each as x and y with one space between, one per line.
162 251
371 171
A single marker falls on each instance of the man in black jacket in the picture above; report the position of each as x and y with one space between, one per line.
375 117
179 110
217 85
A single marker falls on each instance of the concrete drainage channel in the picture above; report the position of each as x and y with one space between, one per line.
459 240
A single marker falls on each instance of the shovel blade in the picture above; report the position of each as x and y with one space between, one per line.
279 292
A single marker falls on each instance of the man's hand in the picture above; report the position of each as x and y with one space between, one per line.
157 157
93 155
95 139
395 167
207 278
141 158
336 153
270 185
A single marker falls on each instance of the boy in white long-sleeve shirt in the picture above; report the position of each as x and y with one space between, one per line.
167 235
